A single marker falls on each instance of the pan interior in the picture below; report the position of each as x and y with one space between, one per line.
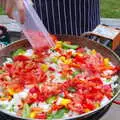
83 42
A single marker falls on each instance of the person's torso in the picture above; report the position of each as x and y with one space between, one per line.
68 16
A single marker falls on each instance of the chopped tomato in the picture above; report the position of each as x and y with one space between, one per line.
54 38
78 83
21 58
56 107
51 69
41 116
97 81
79 59
107 91
89 106
35 95
9 67
76 108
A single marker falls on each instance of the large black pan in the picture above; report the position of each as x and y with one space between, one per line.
83 42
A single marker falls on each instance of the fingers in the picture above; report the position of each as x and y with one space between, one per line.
11 4
20 7
9 8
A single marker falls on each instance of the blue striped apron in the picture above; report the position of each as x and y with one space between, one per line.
68 16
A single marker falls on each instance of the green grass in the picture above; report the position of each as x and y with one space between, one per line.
2 12
110 8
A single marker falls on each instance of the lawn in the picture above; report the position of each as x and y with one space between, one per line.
109 9
1 11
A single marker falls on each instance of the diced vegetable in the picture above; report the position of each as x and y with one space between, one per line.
21 58
75 73
12 108
44 67
106 61
26 111
48 83
54 60
108 80
58 44
62 58
2 71
71 89
68 46
3 106
65 101
11 91
93 52
53 50
19 51
59 114
51 99
41 116
32 114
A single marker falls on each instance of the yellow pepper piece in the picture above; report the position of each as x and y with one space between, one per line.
68 61
62 58
106 61
58 44
80 54
65 102
32 114
34 56
86 110
44 67
11 91
97 105
93 52
5 98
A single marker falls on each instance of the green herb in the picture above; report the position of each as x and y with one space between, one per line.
2 71
75 73
26 111
12 108
54 60
52 49
71 89
61 95
3 106
67 46
18 52
51 99
59 114
63 78
108 80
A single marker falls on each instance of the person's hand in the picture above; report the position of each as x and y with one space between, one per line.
10 6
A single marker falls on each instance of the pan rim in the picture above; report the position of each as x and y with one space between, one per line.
77 116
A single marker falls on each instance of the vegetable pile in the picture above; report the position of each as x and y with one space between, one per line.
59 82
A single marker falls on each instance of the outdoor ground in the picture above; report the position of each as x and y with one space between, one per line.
109 9
1 11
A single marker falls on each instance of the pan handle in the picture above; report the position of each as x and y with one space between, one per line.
93 36
85 34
